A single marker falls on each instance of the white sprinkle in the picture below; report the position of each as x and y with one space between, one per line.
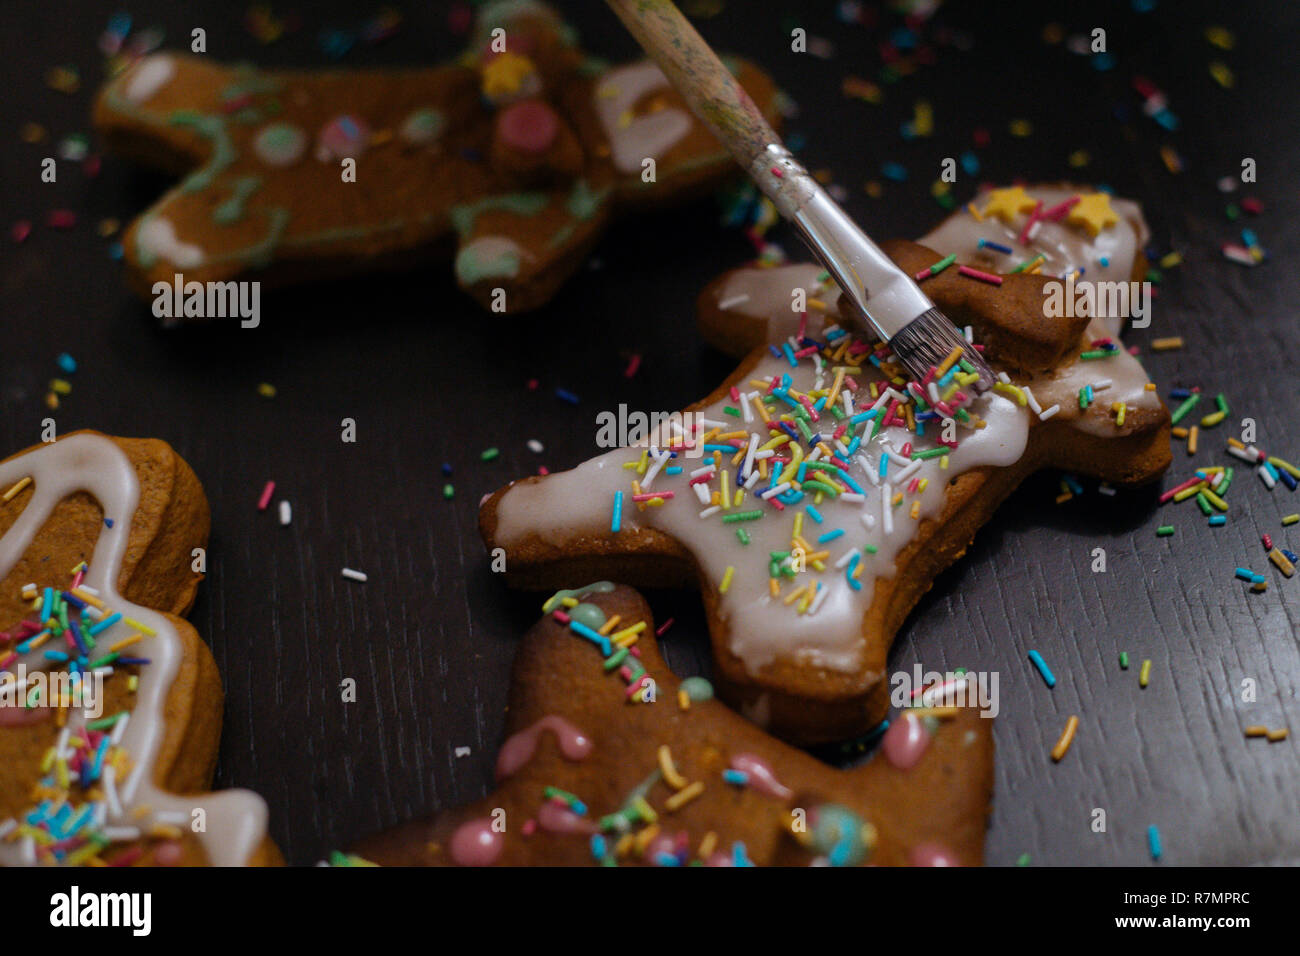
1106 489
286 512
752 480
871 473
887 509
1048 413
661 459
744 407
1269 481
760 455
969 332
780 489
852 496
710 512
1004 378
868 519
1101 386
122 834
748 465
706 470
734 301
119 729
846 557
174 817
702 492
911 469
848 402
110 790
1033 402
89 590
28 851
463 751
535 446
822 591
353 575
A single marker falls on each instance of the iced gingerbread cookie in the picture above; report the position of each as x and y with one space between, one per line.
612 760
816 494
518 156
110 705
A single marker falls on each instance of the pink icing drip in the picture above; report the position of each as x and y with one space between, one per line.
521 747
476 844
761 777
558 818
905 741
932 854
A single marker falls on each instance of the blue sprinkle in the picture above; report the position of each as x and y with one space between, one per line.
1217 520
673 469
105 624
108 522
970 163
996 247
1290 556
599 640
565 395
597 846
737 777
66 362
895 171
830 536
1153 842
1036 659
446 468
616 522
813 512
667 859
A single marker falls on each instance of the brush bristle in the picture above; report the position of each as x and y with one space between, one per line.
928 339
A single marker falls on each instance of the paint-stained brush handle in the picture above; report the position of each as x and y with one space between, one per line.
696 72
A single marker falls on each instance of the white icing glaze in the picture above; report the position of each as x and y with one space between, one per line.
759 628
236 819
157 236
489 257
149 76
1065 247
644 137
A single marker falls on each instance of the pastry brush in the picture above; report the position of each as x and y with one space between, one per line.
884 296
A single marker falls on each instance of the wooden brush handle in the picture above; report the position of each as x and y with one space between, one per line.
695 70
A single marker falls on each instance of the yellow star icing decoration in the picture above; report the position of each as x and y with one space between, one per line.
1006 204
1093 212
505 74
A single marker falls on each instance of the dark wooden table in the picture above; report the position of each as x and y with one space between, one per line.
429 637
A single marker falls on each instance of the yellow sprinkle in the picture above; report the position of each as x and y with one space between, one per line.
943 463
939 713
1214 499
22 483
624 845
1178 431
1191 439
61 386
266 390
1066 738
1165 344
979 216
128 621
916 510
1149 387
133 683
726 579
1281 561
125 642
683 797
1256 730
1280 734
628 633
707 845
644 810
642 839
1007 388
1144 675
683 700
609 625
1171 260
675 779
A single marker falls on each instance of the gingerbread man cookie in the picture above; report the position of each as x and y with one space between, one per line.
612 760
521 153
817 493
110 705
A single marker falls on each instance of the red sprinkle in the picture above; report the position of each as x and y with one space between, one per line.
62 219
265 500
659 631
21 230
982 276
1268 542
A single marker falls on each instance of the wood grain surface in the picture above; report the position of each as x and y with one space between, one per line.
429 380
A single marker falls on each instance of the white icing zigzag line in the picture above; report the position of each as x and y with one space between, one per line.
235 819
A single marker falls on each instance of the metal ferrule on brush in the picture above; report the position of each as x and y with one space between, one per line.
886 297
